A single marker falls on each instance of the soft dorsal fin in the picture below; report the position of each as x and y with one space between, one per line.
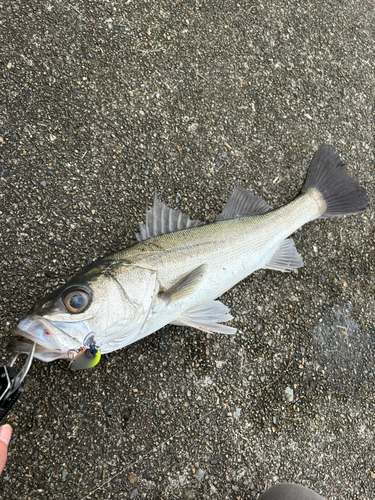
207 318
162 220
185 286
286 258
242 202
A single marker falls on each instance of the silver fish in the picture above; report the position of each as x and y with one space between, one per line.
179 267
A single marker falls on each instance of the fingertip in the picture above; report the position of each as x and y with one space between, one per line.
5 433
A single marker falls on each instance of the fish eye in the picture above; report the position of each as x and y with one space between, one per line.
76 301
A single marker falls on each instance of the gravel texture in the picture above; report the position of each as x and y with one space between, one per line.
104 102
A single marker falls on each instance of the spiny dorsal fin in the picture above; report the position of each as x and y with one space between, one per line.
162 220
207 318
242 202
185 286
286 258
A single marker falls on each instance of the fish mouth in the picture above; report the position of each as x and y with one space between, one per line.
85 357
23 335
21 343
53 340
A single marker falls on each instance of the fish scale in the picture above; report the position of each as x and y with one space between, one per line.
256 239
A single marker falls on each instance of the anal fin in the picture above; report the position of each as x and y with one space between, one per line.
286 258
207 318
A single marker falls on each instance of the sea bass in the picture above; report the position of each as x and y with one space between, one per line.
179 267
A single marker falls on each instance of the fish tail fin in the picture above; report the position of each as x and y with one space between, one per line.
341 193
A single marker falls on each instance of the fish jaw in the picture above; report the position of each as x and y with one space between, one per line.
53 340
21 344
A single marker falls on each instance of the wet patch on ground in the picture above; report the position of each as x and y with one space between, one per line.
342 354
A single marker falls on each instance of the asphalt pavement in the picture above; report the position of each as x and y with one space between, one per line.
102 104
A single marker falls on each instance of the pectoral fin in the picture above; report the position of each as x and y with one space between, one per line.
185 286
207 318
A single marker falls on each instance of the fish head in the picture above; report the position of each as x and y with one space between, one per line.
101 309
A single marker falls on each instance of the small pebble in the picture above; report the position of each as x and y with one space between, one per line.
289 396
109 411
237 413
200 474
132 478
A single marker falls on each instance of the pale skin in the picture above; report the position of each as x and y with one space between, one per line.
5 435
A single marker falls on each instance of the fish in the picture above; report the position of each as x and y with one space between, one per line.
179 267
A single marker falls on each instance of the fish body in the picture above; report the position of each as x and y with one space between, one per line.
179 267
227 251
